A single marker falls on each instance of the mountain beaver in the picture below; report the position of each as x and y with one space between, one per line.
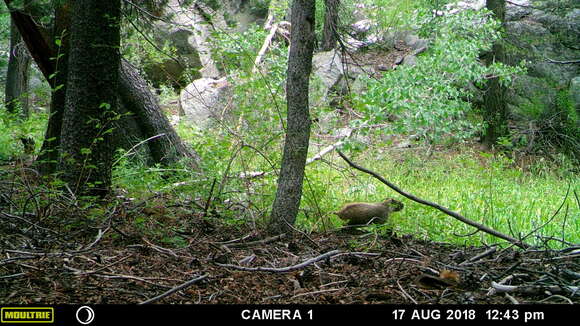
363 213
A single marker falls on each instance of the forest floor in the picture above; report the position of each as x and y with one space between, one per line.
115 260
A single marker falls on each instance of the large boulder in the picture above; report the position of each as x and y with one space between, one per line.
187 31
205 99
328 67
330 76
545 38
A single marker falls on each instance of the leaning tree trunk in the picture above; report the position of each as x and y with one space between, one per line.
165 145
17 75
91 96
289 192
494 100
329 30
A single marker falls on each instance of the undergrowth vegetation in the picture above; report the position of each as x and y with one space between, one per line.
431 106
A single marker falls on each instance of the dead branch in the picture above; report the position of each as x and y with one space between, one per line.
80 272
436 206
316 292
565 62
254 243
532 289
175 289
330 148
486 253
107 275
283 269
265 46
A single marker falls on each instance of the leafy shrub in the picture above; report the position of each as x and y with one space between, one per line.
430 98
13 130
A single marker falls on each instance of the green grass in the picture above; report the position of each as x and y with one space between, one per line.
487 189
12 129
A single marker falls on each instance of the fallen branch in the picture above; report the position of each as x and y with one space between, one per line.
262 52
486 253
533 289
175 289
436 206
120 276
257 242
283 269
315 292
566 62
330 148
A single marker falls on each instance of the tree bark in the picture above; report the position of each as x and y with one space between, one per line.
47 160
17 75
495 109
329 30
138 99
91 96
289 191
35 38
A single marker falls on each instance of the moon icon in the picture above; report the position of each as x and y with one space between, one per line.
90 315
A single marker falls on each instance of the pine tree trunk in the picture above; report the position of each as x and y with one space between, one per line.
91 96
495 109
47 160
289 192
17 75
329 30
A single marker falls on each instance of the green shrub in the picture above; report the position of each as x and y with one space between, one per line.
430 98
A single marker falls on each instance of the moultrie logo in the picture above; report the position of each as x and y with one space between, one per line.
27 315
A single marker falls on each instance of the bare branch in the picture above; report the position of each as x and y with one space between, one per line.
283 269
175 289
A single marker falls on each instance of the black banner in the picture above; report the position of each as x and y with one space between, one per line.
352 314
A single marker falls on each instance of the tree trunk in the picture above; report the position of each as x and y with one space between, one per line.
329 30
289 192
138 99
495 109
48 158
147 120
91 96
35 38
17 75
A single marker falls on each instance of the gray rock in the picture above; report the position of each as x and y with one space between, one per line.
541 37
205 99
574 91
328 68
415 42
518 9
410 60
362 26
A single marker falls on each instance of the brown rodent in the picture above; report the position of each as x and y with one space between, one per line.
363 213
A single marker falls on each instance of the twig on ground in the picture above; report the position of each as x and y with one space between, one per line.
533 289
484 254
316 292
405 294
282 269
175 289
256 243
